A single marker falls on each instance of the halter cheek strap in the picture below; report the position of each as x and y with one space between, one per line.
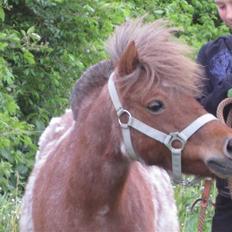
166 139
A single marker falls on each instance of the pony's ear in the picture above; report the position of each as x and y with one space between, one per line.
129 60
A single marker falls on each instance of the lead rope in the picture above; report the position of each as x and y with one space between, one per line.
209 181
204 203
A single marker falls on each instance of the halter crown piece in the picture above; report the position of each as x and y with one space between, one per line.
166 139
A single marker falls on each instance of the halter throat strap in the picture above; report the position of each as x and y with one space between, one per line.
166 139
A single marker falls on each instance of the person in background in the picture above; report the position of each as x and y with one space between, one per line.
216 58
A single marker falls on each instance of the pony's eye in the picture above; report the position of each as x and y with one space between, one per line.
156 106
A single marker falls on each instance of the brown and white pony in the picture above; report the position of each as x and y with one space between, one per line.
85 179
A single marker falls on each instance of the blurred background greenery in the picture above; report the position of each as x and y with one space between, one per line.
45 45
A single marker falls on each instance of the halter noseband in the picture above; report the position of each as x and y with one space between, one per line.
166 139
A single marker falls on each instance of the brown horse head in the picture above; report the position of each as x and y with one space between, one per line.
158 83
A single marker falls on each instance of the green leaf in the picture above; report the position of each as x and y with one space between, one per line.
35 36
3 46
159 12
229 93
2 14
28 56
31 30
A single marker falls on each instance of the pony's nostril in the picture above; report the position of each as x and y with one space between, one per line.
229 146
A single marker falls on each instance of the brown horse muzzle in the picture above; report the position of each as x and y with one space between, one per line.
222 166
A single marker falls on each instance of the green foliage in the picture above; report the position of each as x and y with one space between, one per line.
16 147
197 21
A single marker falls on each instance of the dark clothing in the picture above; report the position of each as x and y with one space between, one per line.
222 220
216 58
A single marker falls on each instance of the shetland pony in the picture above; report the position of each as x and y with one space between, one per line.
102 166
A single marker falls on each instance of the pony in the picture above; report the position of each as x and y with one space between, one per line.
104 165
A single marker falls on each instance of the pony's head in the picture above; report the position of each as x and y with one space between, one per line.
157 83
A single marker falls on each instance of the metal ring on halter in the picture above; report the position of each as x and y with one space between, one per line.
124 125
175 136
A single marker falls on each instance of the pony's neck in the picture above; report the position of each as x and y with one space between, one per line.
101 177
102 169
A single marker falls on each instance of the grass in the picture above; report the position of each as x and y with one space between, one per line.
185 196
9 213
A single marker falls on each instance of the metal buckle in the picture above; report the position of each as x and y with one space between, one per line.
129 118
174 136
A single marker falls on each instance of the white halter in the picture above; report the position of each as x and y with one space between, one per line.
166 139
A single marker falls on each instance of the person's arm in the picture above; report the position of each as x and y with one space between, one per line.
213 92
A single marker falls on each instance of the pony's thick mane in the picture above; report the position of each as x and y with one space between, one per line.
159 52
95 76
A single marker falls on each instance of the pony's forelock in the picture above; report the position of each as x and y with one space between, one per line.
160 54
